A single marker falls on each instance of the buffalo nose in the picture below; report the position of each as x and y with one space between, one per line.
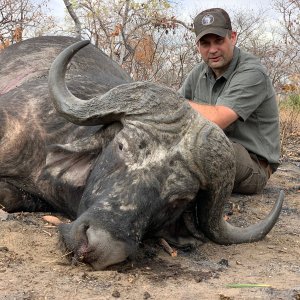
91 243
74 238
82 242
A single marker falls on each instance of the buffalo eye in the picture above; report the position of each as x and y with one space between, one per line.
142 145
120 146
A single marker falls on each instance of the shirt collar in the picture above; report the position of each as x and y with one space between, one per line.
232 65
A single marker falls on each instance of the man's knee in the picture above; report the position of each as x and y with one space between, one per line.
251 176
253 184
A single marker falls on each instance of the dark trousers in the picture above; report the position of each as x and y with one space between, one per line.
252 173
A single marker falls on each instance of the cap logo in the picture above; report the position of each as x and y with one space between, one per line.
207 20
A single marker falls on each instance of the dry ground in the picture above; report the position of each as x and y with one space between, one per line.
32 266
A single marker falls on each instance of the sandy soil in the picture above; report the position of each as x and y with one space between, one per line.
33 267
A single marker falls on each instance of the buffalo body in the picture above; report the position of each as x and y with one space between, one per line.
123 159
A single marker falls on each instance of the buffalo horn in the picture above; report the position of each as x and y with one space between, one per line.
74 109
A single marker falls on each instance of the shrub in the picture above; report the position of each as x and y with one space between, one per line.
289 109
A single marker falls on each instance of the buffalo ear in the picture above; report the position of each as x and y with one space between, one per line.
66 167
70 164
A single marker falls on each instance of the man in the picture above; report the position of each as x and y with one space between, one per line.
231 88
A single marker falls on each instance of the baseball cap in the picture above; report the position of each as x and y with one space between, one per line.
213 20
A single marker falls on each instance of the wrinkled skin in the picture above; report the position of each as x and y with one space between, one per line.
123 164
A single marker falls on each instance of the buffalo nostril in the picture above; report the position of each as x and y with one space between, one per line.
74 238
85 228
80 232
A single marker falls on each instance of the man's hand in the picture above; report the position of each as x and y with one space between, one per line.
221 115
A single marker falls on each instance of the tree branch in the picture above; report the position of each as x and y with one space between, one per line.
74 17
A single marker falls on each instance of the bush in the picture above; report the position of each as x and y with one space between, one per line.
291 101
289 109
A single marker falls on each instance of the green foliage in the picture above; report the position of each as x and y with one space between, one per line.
291 101
289 120
151 5
74 3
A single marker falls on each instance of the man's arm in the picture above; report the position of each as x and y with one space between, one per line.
221 115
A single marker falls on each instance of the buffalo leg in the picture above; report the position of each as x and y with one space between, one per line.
13 199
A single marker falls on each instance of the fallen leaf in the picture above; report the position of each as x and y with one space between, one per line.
52 220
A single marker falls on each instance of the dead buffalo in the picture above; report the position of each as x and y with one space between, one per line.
123 159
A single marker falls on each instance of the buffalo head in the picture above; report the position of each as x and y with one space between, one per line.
157 157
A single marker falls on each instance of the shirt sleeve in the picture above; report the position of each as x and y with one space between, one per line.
245 92
188 88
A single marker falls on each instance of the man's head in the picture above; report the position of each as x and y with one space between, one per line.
215 39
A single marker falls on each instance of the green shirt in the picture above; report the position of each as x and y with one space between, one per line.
245 88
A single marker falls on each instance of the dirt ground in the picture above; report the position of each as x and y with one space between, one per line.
32 266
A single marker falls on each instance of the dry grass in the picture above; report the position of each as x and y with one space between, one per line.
289 129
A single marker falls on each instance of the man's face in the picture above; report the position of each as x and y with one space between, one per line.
217 51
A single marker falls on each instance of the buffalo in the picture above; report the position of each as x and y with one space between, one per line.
122 159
